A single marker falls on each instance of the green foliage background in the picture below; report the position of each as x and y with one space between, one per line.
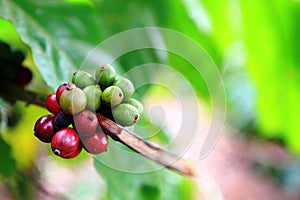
255 44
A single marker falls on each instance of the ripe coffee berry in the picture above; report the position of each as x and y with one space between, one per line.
52 105
23 76
62 88
62 120
65 143
75 153
44 128
86 123
96 144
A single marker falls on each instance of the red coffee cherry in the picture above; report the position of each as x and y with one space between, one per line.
65 143
23 76
62 120
96 144
44 128
62 88
52 105
86 123
75 153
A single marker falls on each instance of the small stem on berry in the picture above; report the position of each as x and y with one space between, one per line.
147 149
57 152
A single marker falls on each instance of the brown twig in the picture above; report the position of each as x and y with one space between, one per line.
12 93
145 148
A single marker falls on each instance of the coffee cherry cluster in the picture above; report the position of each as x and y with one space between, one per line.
73 123
11 66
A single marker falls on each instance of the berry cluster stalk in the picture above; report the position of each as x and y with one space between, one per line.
145 148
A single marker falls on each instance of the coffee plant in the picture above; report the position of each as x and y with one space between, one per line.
73 123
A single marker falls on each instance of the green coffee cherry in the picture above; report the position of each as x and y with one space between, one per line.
93 94
112 95
138 105
82 79
125 114
72 100
126 87
105 76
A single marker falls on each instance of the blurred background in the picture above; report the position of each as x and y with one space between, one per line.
256 48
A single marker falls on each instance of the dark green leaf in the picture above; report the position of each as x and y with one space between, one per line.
154 185
8 163
51 31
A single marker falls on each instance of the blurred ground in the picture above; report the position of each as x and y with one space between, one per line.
231 165
235 166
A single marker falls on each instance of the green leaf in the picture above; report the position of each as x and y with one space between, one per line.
8 163
49 32
154 185
273 68
129 175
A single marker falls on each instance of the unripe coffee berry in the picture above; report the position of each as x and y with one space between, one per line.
52 105
96 144
72 100
82 79
105 76
137 104
125 114
112 95
86 123
93 94
62 88
65 143
44 128
126 86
